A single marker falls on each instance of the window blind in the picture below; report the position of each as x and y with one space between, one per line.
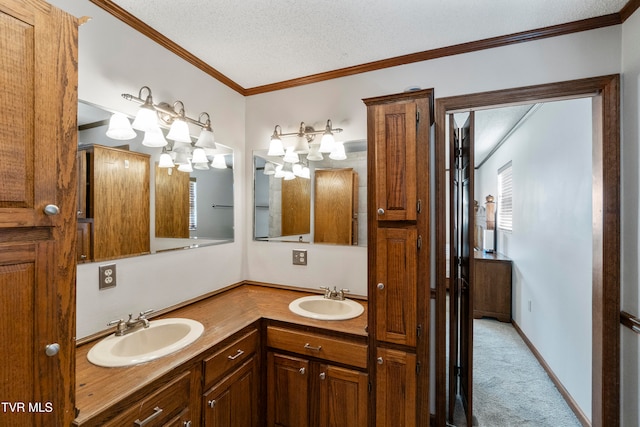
193 211
505 197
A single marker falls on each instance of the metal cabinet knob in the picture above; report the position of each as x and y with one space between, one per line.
380 211
212 403
323 375
187 424
380 360
52 349
381 286
51 210
302 371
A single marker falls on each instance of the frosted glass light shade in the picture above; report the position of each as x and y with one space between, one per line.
199 156
275 147
301 146
338 152
153 137
279 172
179 131
185 167
219 162
327 143
146 118
291 156
314 152
181 158
120 127
269 168
206 140
165 161
287 169
201 166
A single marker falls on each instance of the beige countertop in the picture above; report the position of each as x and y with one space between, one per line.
98 388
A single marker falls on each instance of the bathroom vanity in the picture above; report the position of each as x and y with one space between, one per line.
255 360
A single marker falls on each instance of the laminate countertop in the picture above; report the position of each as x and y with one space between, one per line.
98 388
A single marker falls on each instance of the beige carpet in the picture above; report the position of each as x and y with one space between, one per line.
509 385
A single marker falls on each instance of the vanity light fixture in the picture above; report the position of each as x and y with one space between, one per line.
305 136
120 127
219 162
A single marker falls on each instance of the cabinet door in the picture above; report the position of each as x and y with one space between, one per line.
234 401
395 161
395 388
396 276
288 386
38 144
343 397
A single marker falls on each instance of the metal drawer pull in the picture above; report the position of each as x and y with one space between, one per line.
380 211
381 286
156 413
380 360
212 403
323 375
302 371
187 424
238 354
51 210
52 349
310 347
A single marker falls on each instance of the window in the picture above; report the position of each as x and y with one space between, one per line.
193 211
505 198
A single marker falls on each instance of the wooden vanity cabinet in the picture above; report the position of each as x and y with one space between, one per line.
232 383
398 138
168 405
308 388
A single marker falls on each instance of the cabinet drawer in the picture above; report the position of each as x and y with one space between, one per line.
158 408
230 357
316 345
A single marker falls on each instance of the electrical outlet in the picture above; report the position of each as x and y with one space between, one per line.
107 276
299 257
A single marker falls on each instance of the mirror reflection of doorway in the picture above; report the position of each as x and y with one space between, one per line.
532 265
602 280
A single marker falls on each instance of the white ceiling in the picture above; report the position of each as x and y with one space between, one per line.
258 42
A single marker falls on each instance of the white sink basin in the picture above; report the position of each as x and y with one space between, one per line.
321 308
162 337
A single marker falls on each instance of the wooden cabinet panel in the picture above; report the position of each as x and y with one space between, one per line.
158 408
336 206
172 203
396 276
316 345
296 206
288 391
230 357
234 401
492 286
395 159
395 388
343 397
83 242
38 144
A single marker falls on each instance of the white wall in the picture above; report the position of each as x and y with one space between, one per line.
630 300
115 59
574 56
551 241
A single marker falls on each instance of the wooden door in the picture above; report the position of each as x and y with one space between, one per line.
461 304
396 294
395 168
38 144
172 203
234 401
288 385
343 397
395 388
296 206
335 206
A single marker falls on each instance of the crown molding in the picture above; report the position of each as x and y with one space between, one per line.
489 43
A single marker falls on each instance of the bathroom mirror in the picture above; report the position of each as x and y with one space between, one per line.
186 209
330 206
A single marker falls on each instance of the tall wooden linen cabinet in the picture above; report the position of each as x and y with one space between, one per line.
399 134
38 143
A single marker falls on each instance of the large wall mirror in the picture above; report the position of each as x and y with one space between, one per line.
129 205
327 203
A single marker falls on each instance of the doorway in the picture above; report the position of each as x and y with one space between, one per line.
604 92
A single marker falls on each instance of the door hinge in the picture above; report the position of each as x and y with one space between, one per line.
419 331
419 243
419 206
418 368
370 387
417 116
457 371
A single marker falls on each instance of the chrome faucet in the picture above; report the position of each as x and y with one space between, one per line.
335 293
125 327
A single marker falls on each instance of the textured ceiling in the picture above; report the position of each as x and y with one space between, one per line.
259 42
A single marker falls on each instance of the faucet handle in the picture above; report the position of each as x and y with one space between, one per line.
341 293
327 291
143 314
115 322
